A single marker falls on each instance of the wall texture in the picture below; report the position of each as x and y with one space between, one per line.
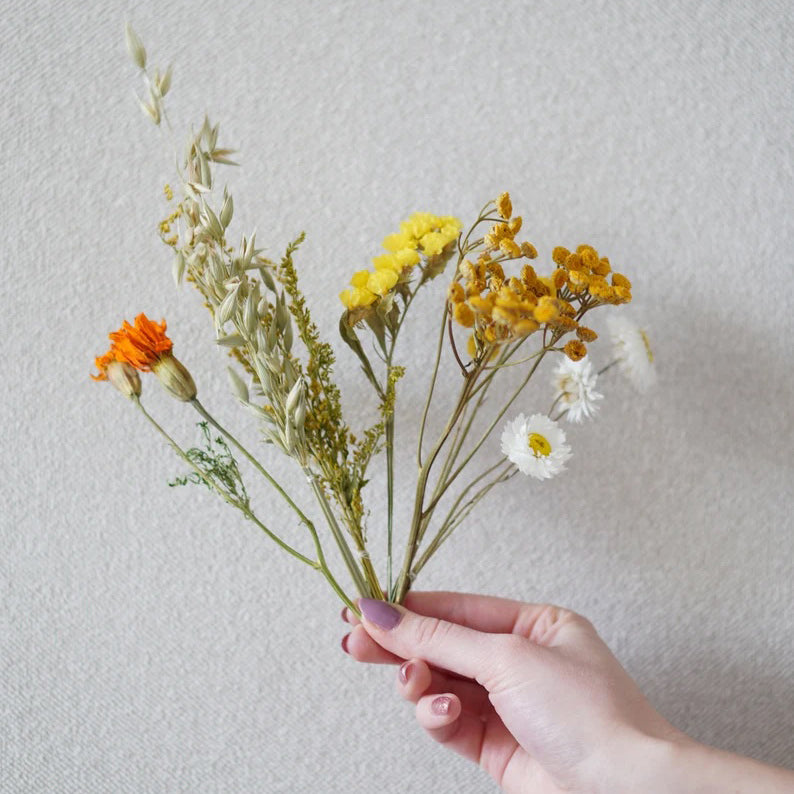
151 641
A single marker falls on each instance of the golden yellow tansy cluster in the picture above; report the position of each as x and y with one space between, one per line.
421 235
501 309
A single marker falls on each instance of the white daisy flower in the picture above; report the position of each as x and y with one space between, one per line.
536 445
633 352
575 393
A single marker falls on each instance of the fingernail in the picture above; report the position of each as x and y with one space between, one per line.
440 705
383 615
406 671
344 643
343 614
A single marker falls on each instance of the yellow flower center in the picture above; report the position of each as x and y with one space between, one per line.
539 445
647 343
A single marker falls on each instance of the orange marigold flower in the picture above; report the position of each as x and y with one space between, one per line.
119 373
142 344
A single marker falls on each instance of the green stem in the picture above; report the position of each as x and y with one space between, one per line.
224 495
421 516
453 520
432 388
206 415
442 487
321 564
389 497
336 531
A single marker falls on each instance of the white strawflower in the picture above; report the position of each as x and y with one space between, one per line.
574 382
633 352
536 445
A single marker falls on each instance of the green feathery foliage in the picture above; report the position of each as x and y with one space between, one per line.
219 466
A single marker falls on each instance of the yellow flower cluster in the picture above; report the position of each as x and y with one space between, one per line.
585 276
421 235
501 309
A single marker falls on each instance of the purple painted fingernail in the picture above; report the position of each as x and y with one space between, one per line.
440 705
343 614
406 671
383 615
344 643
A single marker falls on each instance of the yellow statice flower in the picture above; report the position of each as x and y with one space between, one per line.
422 235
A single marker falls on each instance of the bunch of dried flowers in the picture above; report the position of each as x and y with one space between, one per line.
498 312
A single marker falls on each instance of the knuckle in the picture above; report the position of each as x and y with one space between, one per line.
430 631
545 625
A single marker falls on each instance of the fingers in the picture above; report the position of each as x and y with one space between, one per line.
485 742
416 679
469 653
538 622
364 649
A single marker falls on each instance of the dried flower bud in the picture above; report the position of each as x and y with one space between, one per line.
165 81
175 377
529 250
178 270
575 350
504 206
586 334
135 47
227 210
124 377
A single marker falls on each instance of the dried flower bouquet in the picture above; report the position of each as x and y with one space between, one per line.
497 312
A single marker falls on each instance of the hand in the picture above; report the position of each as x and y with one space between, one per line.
533 695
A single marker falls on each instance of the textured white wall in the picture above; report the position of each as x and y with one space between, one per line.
149 640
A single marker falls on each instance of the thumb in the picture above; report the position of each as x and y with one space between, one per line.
467 652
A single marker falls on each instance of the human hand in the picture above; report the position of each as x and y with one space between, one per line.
533 695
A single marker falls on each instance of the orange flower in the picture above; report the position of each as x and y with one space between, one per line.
144 346
102 363
119 373
141 345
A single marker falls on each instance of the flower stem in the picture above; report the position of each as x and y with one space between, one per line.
320 565
454 519
336 531
205 414
210 483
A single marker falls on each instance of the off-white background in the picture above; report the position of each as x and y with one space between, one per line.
151 641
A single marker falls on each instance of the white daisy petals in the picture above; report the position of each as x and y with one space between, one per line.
574 382
536 445
633 351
